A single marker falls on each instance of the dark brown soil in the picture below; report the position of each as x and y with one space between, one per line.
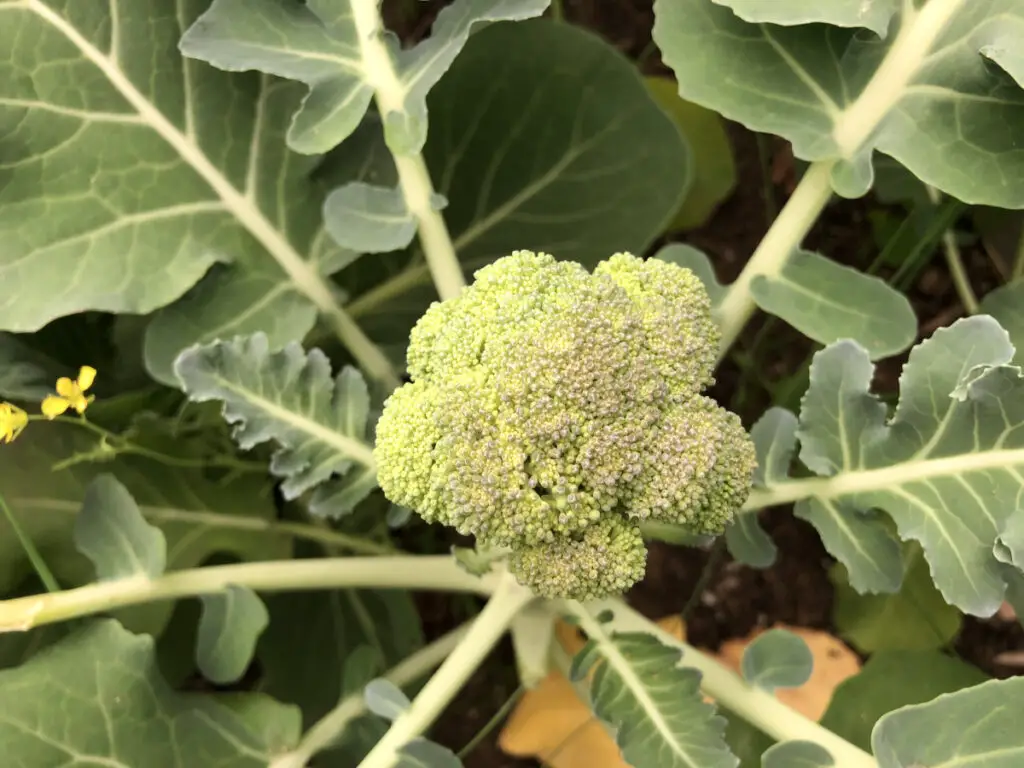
796 590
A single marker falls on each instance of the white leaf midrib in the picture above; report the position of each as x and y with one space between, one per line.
867 480
242 208
638 688
352 448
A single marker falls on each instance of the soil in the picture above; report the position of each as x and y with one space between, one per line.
796 590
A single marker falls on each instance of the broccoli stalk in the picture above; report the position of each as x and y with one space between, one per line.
552 410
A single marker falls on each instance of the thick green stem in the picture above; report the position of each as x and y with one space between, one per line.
331 726
413 175
793 223
853 127
395 572
756 706
509 599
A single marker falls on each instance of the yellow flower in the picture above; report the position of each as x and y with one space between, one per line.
12 421
70 394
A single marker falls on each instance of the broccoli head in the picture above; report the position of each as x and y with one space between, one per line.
552 410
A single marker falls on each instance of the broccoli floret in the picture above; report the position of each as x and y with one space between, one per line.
606 559
551 410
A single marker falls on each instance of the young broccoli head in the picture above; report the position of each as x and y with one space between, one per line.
551 409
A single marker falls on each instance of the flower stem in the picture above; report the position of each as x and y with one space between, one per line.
756 706
41 568
388 572
413 175
331 726
489 626
791 226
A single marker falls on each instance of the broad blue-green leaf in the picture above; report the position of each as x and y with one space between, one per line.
774 436
111 531
1009 546
871 14
946 467
973 726
915 618
654 706
890 680
797 754
120 193
319 43
254 295
714 169
231 624
289 397
1006 304
198 517
97 698
827 302
687 256
838 417
859 540
542 136
421 753
339 497
939 106
385 699
777 659
368 218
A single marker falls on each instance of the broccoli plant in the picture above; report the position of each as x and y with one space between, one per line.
552 411
250 403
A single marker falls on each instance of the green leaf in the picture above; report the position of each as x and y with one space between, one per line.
859 539
714 170
318 43
697 261
231 623
915 618
827 302
973 726
287 396
946 467
385 699
1006 304
937 105
873 14
542 136
746 742
797 754
114 535
421 753
655 706
777 659
837 417
184 169
25 373
97 698
890 680
774 437
253 295
368 218
198 517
